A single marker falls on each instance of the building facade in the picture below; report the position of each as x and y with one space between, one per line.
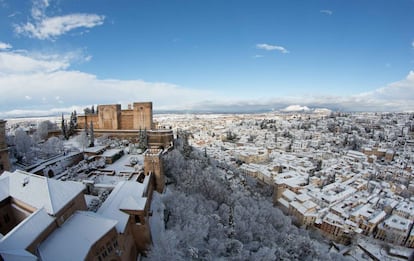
47 219
4 151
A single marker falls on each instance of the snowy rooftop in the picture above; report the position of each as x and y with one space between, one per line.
303 208
336 193
365 211
406 207
21 236
53 161
111 152
127 195
291 178
74 239
303 197
123 164
333 219
38 191
398 223
378 217
252 167
95 149
283 202
289 195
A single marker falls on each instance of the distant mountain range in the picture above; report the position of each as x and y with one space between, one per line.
234 108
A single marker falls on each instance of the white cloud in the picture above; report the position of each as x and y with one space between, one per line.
397 96
39 9
5 46
77 88
13 14
38 84
87 58
412 44
52 27
22 62
44 27
326 11
32 112
42 84
14 62
269 47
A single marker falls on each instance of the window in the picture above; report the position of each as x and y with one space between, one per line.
109 247
115 242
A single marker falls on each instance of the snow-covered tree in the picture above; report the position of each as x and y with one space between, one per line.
73 123
142 142
43 129
23 144
83 139
209 218
64 128
52 147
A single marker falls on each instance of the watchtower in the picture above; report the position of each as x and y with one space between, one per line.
153 164
142 116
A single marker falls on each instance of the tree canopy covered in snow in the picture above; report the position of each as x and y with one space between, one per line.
210 214
23 145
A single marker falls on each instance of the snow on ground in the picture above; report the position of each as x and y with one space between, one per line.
109 180
123 164
73 142
92 202
156 221
376 250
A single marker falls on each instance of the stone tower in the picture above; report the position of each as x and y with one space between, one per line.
153 164
142 116
4 151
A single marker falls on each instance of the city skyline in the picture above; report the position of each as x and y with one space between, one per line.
56 56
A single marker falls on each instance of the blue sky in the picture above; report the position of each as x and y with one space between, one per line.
56 56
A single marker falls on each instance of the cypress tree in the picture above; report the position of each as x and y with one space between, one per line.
91 136
63 127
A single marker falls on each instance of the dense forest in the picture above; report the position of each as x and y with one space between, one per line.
213 213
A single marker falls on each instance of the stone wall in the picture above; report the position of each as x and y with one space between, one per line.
4 151
163 139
